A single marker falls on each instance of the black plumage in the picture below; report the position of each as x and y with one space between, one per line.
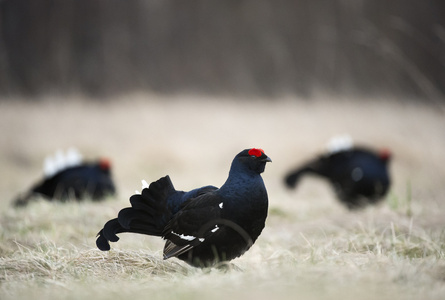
84 181
203 226
359 176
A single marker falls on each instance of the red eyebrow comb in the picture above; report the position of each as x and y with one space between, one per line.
257 152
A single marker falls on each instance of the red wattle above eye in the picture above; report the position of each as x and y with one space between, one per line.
256 152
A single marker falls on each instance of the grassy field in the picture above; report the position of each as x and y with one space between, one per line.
311 248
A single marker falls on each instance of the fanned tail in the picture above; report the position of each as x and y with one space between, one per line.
149 214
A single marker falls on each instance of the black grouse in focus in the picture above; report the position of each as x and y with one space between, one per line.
75 181
206 225
359 176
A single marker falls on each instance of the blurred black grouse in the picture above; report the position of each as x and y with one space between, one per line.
206 225
68 178
359 175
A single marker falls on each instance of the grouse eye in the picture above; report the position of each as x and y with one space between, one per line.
256 152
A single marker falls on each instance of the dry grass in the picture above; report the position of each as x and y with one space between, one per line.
312 248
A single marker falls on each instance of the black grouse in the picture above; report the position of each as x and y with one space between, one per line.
359 176
206 225
67 178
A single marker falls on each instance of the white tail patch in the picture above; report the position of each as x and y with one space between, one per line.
72 157
61 161
144 184
339 143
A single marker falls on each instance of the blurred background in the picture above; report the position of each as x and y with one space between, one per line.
180 87
248 47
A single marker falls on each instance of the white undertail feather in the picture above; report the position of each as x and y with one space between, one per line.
49 167
73 157
339 143
61 161
144 184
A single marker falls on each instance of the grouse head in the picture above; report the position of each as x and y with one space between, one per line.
385 154
105 164
253 159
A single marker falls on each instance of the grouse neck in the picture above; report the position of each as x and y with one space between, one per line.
239 170
242 180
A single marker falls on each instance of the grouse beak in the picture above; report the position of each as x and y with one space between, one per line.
267 159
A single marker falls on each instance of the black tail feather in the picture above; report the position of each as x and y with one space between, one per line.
134 220
148 215
102 243
111 228
108 233
127 215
